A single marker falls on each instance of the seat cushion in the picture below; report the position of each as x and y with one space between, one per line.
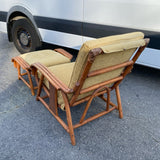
63 72
46 57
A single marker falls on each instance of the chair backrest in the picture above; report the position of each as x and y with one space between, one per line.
112 55
97 43
112 51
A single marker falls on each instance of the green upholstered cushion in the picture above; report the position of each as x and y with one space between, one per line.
46 57
63 72
114 54
96 43
104 61
122 46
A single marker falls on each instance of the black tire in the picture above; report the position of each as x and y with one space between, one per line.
24 36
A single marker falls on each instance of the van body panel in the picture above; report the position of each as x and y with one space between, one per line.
70 23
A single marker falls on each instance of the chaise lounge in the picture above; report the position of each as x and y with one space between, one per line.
100 67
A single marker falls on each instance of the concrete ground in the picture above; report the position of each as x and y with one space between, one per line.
29 132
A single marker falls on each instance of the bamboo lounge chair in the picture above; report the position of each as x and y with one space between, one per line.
46 57
100 67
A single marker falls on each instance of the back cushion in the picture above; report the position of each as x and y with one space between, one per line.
113 54
101 43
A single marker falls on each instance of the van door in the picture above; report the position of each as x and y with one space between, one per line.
109 17
60 22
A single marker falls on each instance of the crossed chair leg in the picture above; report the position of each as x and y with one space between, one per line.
20 64
69 127
30 83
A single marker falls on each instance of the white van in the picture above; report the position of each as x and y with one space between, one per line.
71 22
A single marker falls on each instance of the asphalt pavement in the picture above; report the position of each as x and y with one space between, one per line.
29 132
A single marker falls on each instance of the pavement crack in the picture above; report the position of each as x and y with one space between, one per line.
10 110
155 139
151 135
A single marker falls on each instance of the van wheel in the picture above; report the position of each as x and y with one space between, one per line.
24 36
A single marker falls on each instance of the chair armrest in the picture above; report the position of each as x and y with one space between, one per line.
63 52
21 62
58 84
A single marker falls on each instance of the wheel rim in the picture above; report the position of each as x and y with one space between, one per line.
24 38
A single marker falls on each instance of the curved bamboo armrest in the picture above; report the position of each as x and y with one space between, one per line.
21 62
63 52
58 84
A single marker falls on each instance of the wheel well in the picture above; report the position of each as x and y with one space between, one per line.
14 16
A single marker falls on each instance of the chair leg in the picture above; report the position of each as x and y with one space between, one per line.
86 109
20 77
19 71
31 83
69 119
119 102
39 86
108 99
53 99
